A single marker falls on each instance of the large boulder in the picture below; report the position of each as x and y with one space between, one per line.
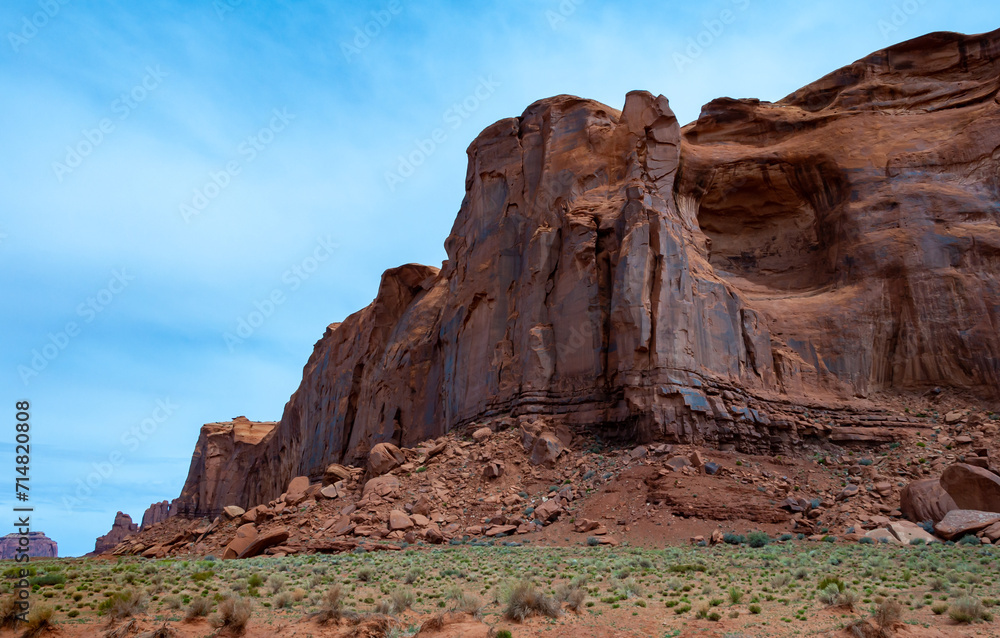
958 523
973 488
398 520
336 472
546 449
245 536
383 458
233 511
925 500
297 489
548 511
265 541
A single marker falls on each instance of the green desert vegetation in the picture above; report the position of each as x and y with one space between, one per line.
750 586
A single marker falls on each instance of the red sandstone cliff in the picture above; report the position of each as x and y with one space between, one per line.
122 528
614 271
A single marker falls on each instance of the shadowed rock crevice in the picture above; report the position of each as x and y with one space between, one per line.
775 223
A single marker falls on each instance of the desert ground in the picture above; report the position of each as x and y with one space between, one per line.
749 586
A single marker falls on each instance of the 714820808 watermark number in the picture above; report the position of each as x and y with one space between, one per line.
22 511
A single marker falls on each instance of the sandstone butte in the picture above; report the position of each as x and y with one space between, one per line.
708 284
39 546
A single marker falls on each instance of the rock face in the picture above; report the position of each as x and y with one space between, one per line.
122 528
155 513
609 269
39 546
219 467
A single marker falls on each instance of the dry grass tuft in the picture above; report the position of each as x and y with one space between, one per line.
199 608
39 620
434 623
332 609
234 614
523 600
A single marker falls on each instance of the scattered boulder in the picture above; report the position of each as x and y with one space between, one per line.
233 511
253 515
639 452
992 532
265 541
792 505
678 463
848 492
926 500
423 506
905 532
433 534
245 535
584 525
546 449
336 472
481 435
697 461
958 523
882 535
382 486
972 488
548 511
398 520
383 458
329 491
297 490
493 470
712 468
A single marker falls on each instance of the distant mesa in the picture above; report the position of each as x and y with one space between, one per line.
39 546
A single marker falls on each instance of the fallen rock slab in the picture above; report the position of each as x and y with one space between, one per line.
906 532
958 523
398 520
245 536
264 541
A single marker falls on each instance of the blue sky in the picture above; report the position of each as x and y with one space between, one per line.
171 166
